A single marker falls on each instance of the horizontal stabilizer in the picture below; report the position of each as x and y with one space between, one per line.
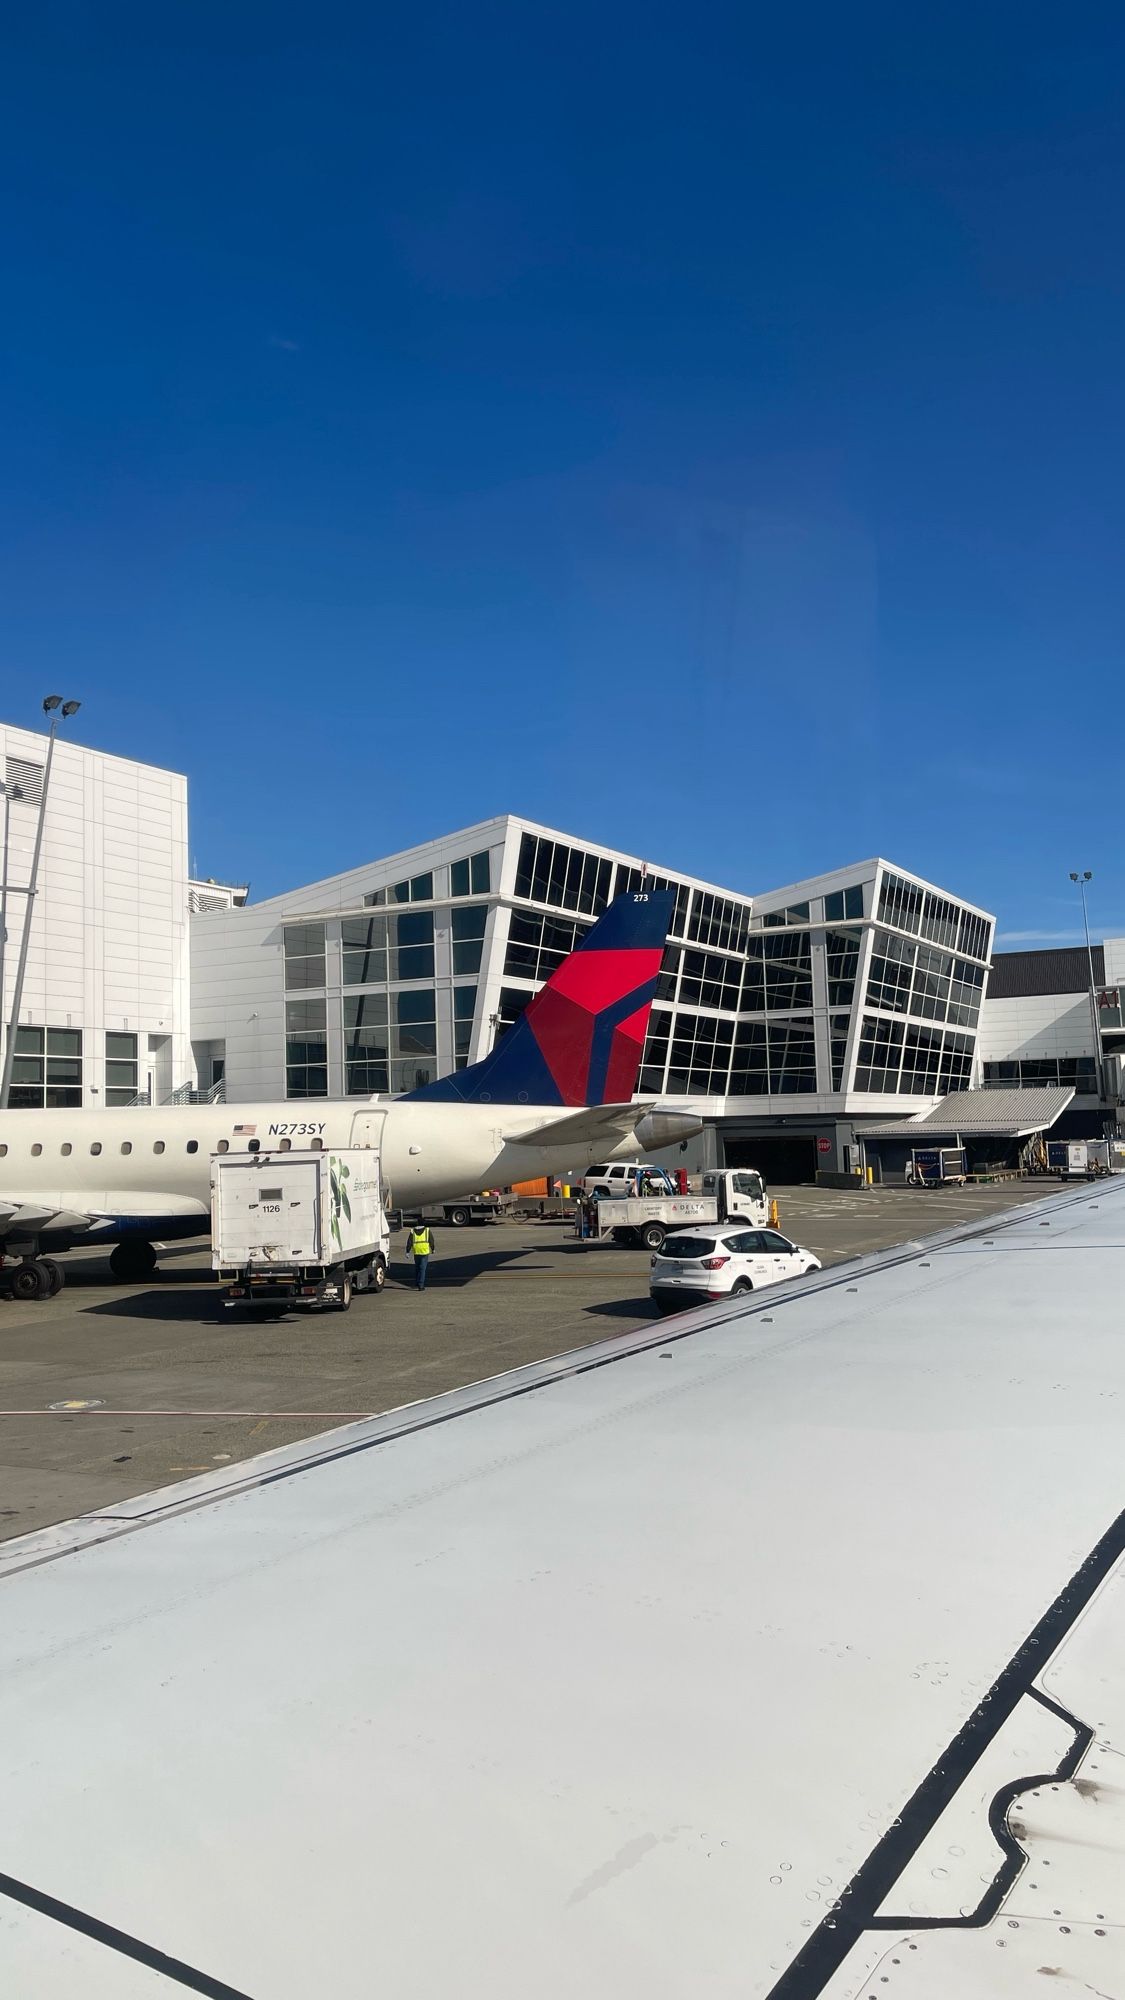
600 1125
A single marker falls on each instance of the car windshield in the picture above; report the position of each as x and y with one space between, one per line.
688 1246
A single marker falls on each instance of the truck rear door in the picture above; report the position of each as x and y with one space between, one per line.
269 1213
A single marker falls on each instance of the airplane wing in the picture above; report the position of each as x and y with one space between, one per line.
770 1652
603 1125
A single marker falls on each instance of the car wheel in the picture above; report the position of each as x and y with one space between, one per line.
741 1285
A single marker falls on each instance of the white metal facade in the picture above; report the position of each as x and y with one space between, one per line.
108 954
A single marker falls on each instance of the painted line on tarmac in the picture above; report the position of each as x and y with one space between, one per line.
281 1415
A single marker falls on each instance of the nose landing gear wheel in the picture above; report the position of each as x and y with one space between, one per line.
31 1280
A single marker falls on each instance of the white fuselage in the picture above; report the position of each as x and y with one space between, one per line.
152 1164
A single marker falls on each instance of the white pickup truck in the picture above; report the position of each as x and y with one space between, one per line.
648 1219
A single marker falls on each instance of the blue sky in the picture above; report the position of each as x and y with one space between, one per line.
695 428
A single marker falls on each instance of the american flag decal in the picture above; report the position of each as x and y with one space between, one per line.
245 1131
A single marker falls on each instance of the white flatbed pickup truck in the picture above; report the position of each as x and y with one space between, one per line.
648 1219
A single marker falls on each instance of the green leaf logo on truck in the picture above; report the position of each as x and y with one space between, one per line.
339 1172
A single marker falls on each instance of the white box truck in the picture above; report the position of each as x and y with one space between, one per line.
648 1219
305 1228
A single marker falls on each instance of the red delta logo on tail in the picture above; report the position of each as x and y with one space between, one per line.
580 1039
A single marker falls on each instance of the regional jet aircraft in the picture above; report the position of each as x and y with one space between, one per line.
553 1096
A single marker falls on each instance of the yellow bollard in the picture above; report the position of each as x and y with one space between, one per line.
870 1176
773 1213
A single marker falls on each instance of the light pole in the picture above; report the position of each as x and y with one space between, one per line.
1087 876
57 709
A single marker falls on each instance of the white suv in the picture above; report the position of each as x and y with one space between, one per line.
614 1178
715 1260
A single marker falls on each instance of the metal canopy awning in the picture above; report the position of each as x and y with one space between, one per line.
981 1114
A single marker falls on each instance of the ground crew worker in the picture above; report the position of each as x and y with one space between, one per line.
421 1249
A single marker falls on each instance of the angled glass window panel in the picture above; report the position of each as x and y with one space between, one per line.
464 1002
417 962
792 1057
400 892
64 1069
834 907
375 896
459 878
29 1041
839 1025
422 887
364 1078
853 900
513 1000
303 940
121 1076
467 957
27 1069
64 1041
306 1080
415 927
480 873
416 1006
541 874
365 1012
121 1048
470 921
842 961
304 1016
525 865
418 1039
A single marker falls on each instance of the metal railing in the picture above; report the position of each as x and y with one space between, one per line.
186 1094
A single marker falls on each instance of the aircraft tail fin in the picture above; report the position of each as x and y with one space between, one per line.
580 1039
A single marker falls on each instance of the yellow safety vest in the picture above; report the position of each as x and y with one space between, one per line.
420 1243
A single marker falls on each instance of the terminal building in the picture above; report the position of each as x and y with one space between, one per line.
787 1019
795 1021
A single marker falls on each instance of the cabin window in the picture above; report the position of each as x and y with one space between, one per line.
36 1150
126 1145
96 1146
254 1146
158 1145
3 1150
318 1145
66 1149
193 1145
223 1146
286 1146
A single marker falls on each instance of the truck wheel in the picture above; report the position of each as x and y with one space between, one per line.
652 1236
378 1276
457 1216
345 1298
